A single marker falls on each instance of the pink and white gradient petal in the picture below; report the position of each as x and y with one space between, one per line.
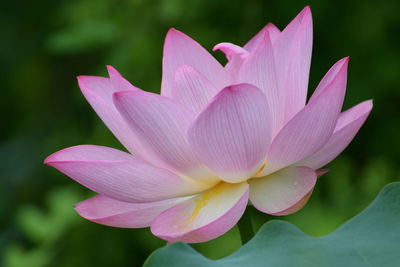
259 70
119 83
298 69
282 192
329 76
119 175
180 49
232 134
160 124
111 212
203 217
310 129
98 92
192 89
273 31
296 207
348 124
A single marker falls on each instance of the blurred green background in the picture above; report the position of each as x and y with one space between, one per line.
46 44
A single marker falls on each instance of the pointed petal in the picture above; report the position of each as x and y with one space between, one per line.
192 89
259 70
310 129
204 217
180 49
107 211
329 76
118 175
282 192
273 33
283 45
89 152
299 68
119 83
292 50
235 55
160 125
348 124
98 92
321 172
232 134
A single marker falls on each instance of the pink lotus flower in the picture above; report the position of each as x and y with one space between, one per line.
215 137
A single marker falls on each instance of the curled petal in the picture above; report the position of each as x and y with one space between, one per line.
120 176
283 192
232 134
203 217
235 55
231 50
111 212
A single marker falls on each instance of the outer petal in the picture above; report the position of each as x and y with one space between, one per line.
160 125
296 207
192 89
273 33
292 51
329 76
299 67
232 134
179 49
204 217
103 210
118 82
118 175
283 192
98 92
259 70
348 124
310 129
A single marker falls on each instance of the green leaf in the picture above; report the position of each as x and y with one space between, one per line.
371 238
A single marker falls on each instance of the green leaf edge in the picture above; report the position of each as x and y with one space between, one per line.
387 201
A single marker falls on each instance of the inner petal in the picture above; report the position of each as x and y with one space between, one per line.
204 216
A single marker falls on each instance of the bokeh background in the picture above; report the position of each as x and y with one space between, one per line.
46 44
